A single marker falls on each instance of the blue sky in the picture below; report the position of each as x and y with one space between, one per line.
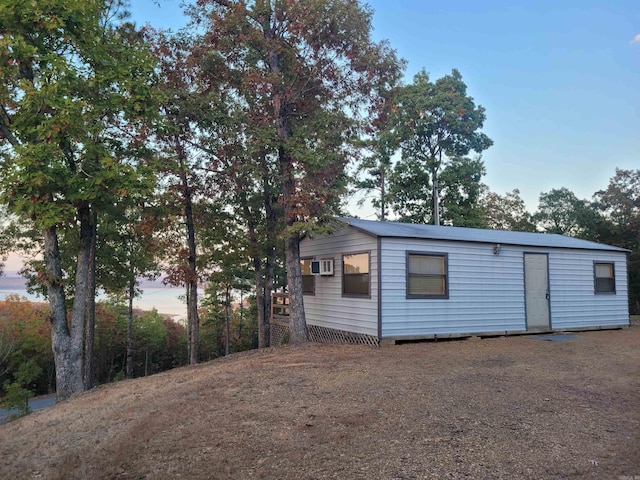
559 79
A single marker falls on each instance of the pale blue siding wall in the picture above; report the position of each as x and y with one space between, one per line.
486 291
328 308
573 301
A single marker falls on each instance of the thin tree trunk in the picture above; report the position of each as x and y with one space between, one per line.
82 288
90 306
193 322
263 276
383 195
263 319
227 320
269 279
436 197
129 364
241 314
271 218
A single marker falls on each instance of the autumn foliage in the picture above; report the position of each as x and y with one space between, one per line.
25 338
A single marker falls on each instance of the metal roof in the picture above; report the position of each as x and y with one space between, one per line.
460 234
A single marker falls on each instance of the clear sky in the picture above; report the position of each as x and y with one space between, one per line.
559 79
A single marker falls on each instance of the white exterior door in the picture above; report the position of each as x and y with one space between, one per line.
536 284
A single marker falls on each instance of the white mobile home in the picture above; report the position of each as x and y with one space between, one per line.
386 281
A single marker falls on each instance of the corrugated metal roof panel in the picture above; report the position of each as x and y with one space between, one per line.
432 232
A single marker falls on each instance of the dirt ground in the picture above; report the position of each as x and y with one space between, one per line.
514 407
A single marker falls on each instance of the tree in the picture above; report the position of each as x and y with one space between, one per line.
150 336
461 189
225 251
378 169
192 110
17 392
507 212
75 86
251 184
310 78
25 345
434 123
5 238
620 205
560 211
130 237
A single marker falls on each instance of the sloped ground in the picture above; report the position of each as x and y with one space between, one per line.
508 408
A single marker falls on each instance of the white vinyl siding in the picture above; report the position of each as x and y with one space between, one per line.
328 307
486 291
574 303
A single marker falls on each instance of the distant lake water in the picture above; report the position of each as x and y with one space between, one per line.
165 300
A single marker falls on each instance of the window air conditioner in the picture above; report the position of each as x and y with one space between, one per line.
326 266
322 267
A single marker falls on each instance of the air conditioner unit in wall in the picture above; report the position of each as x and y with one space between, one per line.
326 266
322 267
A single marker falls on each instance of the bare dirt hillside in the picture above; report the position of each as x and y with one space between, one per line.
511 407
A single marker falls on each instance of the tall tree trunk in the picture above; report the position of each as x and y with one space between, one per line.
271 218
82 288
383 195
263 318
90 306
241 314
263 274
67 358
131 294
297 320
436 197
298 333
193 322
269 279
227 320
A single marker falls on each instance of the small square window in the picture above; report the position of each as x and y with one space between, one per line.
604 277
427 275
